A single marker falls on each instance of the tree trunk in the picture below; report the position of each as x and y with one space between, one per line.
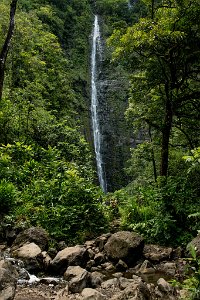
166 135
153 156
152 9
4 51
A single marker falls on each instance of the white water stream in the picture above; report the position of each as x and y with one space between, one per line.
94 104
129 4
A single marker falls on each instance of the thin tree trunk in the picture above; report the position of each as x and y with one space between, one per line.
153 156
166 136
152 9
4 51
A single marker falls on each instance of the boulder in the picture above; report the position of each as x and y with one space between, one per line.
5 264
91 294
99 258
2 248
124 282
110 283
90 264
124 245
121 266
8 281
165 291
117 275
108 266
77 278
101 241
36 235
70 256
91 253
156 253
31 255
46 259
146 268
195 243
29 250
52 252
169 268
96 279
164 286
134 289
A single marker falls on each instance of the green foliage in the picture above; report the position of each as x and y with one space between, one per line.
8 195
43 154
44 81
141 210
46 169
52 192
117 13
140 165
192 282
161 213
193 160
163 95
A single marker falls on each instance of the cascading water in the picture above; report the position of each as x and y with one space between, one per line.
94 105
129 4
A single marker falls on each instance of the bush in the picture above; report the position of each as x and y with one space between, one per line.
161 213
53 192
8 196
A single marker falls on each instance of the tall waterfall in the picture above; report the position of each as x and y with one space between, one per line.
94 105
129 4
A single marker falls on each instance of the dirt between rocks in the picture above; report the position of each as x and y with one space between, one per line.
41 292
48 292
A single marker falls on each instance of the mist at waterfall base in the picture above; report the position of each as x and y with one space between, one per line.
97 136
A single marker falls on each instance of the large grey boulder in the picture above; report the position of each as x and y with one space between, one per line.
125 245
31 255
8 281
77 278
70 256
36 235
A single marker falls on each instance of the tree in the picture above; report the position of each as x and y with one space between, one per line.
5 48
163 54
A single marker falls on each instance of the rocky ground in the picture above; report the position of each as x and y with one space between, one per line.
115 266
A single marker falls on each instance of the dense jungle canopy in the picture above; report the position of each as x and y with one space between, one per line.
47 162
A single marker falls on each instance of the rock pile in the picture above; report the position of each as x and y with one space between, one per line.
113 266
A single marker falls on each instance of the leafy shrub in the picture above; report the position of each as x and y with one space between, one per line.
8 195
161 213
53 192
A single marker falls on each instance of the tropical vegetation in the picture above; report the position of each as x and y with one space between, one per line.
47 164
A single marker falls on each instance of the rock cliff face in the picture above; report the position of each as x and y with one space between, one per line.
112 91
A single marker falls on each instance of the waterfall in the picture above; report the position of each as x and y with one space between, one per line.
129 4
94 105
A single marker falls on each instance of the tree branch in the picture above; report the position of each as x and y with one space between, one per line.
6 46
